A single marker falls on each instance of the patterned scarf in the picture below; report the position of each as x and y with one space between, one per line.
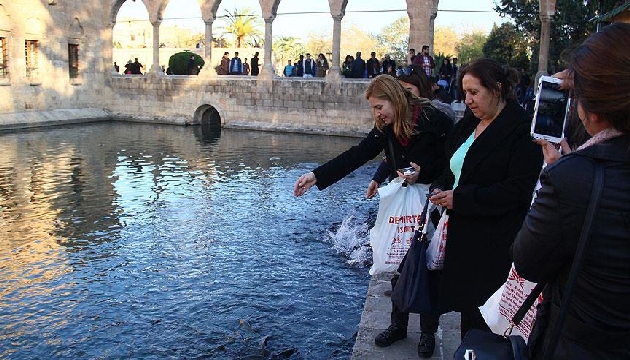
601 136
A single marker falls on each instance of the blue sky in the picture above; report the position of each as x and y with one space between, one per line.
287 24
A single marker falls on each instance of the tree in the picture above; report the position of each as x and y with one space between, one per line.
470 47
506 45
245 26
317 43
394 39
570 25
178 62
287 48
445 41
358 41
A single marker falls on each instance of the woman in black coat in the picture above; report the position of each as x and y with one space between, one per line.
409 129
597 325
487 189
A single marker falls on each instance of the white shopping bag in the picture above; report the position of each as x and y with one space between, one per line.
437 246
500 308
399 211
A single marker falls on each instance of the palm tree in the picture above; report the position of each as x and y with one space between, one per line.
243 25
286 48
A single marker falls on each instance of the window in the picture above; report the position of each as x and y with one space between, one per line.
31 53
4 58
73 60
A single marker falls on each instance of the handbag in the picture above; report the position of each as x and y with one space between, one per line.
488 345
412 291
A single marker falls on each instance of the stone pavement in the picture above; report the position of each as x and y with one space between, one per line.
376 318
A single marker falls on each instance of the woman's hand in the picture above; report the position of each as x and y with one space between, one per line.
304 183
551 151
442 198
567 79
413 177
372 189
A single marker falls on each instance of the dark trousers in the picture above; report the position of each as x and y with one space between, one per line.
472 319
428 322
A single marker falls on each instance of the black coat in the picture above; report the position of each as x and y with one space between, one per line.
544 248
494 193
255 68
425 148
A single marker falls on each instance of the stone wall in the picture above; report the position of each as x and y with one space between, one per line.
287 104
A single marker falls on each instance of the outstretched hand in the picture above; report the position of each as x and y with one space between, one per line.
304 183
372 189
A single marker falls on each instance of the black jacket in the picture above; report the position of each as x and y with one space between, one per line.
425 148
544 248
489 204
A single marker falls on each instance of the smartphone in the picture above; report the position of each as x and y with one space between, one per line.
550 110
407 170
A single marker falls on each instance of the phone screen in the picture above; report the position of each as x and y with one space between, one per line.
550 112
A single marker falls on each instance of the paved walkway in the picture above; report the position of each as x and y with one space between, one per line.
376 318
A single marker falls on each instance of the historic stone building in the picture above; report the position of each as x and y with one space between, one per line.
56 65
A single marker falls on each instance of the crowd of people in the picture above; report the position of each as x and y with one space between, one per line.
484 170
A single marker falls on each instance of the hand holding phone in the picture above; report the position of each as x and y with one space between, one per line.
407 171
550 110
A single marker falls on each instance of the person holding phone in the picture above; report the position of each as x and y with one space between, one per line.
597 325
413 134
414 80
487 188
407 128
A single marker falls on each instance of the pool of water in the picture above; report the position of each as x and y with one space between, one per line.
123 240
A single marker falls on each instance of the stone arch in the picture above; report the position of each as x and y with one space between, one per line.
118 4
207 115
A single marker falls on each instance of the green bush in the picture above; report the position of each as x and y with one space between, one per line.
178 63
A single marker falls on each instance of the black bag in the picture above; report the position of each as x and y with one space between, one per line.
482 345
412 291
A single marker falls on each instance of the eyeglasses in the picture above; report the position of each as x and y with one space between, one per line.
406 71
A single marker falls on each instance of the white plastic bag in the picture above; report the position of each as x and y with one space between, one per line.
399 211
500 308
437 246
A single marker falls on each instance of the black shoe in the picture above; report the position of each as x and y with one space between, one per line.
426 346
387 293
390 336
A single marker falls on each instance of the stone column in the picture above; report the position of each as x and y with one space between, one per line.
543 54
547 10
209 40
421 16
208 69
431 42
267 71
334 73
155 68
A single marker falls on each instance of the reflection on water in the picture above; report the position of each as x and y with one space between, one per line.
140 241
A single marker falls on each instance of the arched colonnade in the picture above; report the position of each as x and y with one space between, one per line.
421 15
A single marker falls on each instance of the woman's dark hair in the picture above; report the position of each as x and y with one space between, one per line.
601 75
490 74
418 78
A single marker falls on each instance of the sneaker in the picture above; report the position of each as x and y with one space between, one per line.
426 346
390 336
387 293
